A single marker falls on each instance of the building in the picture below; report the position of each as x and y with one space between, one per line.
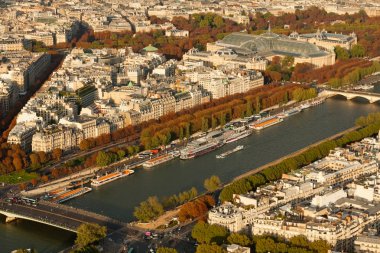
327 40
225 57
234 248
14 44
177 33
8 96
367 244
56 136
22 135
269 45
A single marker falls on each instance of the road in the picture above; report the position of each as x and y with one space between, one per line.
88 152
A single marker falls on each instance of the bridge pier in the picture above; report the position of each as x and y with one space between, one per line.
9 219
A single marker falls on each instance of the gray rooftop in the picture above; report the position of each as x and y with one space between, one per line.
271 43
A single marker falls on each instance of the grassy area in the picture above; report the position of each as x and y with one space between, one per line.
18 177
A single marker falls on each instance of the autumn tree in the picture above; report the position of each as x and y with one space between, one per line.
212 184
57 154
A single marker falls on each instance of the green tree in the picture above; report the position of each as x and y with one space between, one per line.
103 158
218 21
236 238
341 53
205 233
121 154
88 233
320 246
205 248
148 209
299 241
287 62
166 250
212 184
357 51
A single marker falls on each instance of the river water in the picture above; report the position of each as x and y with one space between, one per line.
118 198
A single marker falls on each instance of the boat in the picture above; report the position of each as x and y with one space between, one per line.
266 122
158 160
100 180
71 194
200 147
305 106
317 101
223 155
238 134
289 112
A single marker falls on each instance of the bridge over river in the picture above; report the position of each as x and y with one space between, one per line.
60 216
351 94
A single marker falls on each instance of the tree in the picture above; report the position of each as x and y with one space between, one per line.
17 162
148 209
236 238
57 154
204 248
88 233
357 51
103 158
205 233
341 53
35 161
166 250
287 62
212 184
299 241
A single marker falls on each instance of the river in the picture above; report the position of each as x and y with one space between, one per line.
118 199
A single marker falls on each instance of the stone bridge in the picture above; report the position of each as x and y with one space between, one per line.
56 215
350 94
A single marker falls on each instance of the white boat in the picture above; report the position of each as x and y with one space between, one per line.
71 194
238 133
266 122
223 155
289 112
101 180
158 160
200 147
317 101
305 106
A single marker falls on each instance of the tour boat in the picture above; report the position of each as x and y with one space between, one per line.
200 147
71 194
158 160
101 180
238 134
266 122
289 112
317 101
223 155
